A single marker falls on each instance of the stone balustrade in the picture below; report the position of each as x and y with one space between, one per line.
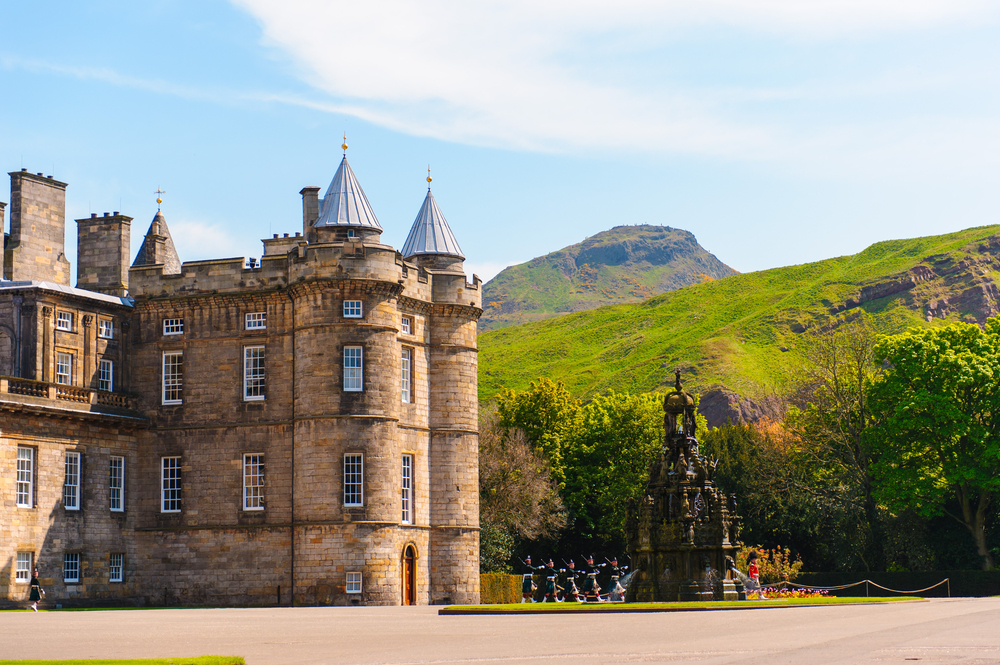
10 385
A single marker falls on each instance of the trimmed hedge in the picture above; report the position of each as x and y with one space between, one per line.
498 588
969 583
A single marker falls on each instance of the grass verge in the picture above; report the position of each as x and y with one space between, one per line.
587 608
199 660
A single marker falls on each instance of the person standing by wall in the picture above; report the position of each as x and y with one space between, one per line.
36 590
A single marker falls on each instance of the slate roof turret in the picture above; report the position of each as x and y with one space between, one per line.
430 233
345 203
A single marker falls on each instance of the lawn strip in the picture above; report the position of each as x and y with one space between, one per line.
587 608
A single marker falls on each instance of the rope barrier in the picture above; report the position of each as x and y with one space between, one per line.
946 580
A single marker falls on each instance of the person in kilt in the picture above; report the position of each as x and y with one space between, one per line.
528 584
36 590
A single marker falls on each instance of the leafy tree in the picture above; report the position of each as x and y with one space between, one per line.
760 463
830 416
517 497
607 461
546 413
938 429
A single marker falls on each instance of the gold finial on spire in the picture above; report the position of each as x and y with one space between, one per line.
344 146
159 198
429 176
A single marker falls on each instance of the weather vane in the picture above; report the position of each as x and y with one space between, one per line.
159 198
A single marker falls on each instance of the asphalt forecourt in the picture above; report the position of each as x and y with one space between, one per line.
696 606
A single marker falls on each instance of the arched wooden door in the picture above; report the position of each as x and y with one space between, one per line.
409 576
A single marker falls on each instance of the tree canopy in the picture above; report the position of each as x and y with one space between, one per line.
937 433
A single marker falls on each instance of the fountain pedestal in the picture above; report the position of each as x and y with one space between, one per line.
683 534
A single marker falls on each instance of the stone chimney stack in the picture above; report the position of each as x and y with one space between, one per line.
36 250
3 239
310 211
103 253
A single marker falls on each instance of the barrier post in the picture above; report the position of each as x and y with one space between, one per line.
866 588
948 580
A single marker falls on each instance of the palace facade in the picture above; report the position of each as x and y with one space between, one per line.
302 429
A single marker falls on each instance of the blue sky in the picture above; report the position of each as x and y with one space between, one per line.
778 132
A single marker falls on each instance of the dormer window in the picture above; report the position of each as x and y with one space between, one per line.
173 326
352 309
64 321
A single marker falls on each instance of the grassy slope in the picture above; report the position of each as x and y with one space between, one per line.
728 331
552 284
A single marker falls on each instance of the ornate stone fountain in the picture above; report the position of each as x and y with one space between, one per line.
682 535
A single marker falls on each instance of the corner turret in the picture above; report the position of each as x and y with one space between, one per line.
158 248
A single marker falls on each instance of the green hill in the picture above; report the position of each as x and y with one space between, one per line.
740 332
622 265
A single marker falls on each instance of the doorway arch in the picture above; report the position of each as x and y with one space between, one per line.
409 575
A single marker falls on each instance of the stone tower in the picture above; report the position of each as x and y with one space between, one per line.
346 371
36 247
683 533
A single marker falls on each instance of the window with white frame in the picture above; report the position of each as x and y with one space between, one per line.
116 483
105 375
407 326
352 309
173 326
71 567
170 484
406 374
64 368
354 475
71 482
105 328
25 477
253 373
353 367
22 571
116 567
353 583
407 515
253 481
256 321
64 320
173 377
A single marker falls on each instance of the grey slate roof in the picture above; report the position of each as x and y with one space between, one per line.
345 203
69 290
430 233
171 262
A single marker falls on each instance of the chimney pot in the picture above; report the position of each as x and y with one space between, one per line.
93 215
23 170
275 235
49 177
105 214
39 173
297 234
286 235
115 213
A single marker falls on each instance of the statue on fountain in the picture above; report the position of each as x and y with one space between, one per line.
684 531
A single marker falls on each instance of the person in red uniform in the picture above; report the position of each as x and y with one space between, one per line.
753 572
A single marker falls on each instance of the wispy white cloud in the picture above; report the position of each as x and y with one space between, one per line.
507 74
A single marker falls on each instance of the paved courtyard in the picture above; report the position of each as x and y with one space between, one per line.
948 631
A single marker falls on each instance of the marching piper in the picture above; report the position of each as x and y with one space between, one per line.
591 589
617 592
528 585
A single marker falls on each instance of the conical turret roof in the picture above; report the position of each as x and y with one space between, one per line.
345 203
430 233
167 254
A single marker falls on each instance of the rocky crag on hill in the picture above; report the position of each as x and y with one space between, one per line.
739 337
626 264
